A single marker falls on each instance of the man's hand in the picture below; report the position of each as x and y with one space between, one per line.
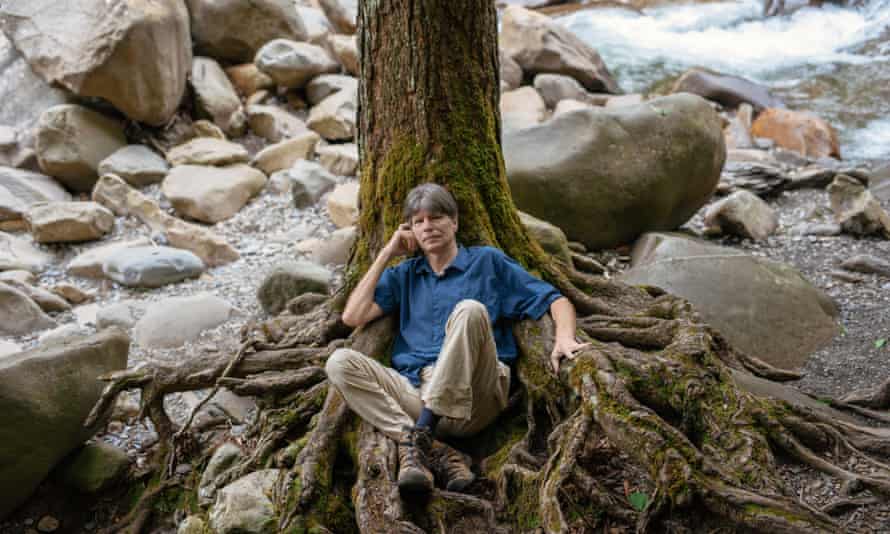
402 242
565 346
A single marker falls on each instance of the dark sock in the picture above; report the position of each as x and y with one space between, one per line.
427 420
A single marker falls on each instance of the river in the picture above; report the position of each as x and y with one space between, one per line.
834 61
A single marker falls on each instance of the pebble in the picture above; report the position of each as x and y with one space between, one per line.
48 523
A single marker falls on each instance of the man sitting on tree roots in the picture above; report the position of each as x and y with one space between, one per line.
455 310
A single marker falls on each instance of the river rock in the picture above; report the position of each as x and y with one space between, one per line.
7 348
541 45
95 467
292 64
318 27
879 185
65 222
24 95
234 30
273 124
244 506
71 142
102 39
333 250
555 87
334 117
738 132
248 79
343 204
48 391
176 320
116 195
20 189
522 108
551 238
800 131
345 49
728 91
340 159
625 169
511 72
47 301
215 96
18 254
19 315
207 151
309 182
855 209
72 293
765 309
866 263
288 280
341 13
24 277
137 164
285 154
223 457
622 101
817 229
743 214
122 314
211 194
89 263
568 105
326 85
62 334
152 266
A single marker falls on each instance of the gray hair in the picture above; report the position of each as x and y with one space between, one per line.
432 198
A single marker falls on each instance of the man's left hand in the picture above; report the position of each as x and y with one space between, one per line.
565 347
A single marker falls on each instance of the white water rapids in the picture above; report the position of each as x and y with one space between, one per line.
833 61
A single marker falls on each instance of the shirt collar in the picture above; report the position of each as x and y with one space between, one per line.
460 262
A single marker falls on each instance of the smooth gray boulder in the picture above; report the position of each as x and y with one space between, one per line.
138 165
606 176
244 506
19 314
152 266
234 30
48 391
554 88
21 189
89 263
71 142
135 54
309 181
764 308
728 91
174 321
288 280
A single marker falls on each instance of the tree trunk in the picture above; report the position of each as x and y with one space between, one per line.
646 430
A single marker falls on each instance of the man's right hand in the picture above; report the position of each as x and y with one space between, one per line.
402 242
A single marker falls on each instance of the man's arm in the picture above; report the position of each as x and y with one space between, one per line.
564 343
360 307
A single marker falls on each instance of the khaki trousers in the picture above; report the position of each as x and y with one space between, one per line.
467 385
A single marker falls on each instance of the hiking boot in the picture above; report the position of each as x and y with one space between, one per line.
414 447
451 466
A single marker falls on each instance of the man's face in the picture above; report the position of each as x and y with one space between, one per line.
435 232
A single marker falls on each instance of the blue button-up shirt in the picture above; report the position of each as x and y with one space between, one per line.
424 301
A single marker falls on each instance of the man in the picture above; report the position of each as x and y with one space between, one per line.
455 309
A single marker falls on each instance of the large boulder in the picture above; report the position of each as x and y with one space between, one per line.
177 320
65 222
522 108
234 30
95 467
728 91
19 314
71 142
20 189
150 267
216 98
89 263
45 395
766 309
606 176
540 45
134 53
800 131
211 194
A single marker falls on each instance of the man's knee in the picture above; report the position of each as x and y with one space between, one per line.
471 309
337 363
